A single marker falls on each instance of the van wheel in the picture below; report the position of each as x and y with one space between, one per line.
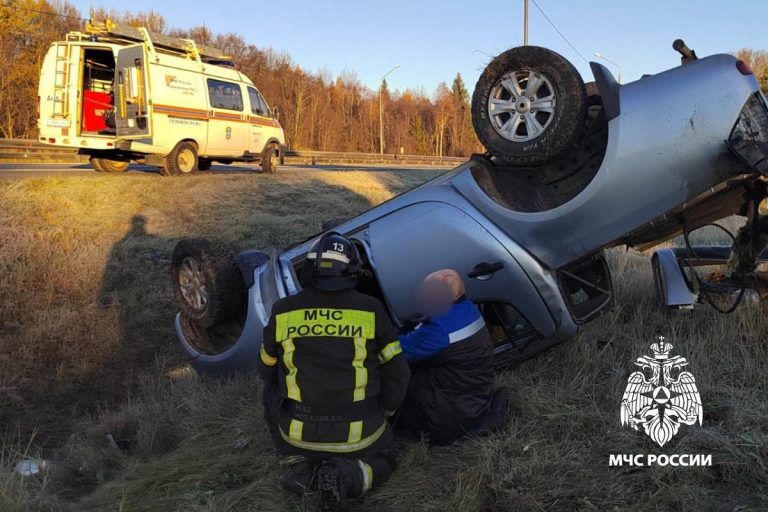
182 160
104 165
204 164
269 160
529 106
207 282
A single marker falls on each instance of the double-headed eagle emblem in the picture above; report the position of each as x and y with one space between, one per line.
661 397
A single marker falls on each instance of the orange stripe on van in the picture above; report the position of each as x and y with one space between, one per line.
262 121
195 113
190 113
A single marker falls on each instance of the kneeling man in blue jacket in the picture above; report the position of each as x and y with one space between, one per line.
451 393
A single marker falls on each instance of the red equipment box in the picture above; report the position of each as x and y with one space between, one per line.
95 105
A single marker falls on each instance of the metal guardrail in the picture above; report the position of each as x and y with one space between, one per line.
32 151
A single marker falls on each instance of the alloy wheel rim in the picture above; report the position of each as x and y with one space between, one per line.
192 284
521 105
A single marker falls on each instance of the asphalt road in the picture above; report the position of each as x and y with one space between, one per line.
20 171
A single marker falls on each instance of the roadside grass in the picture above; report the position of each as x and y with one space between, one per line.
87 349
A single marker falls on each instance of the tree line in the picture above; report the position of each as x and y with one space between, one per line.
318 111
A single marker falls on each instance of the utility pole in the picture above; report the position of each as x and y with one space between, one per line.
381 110
525 24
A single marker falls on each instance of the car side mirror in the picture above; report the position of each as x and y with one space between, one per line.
276 112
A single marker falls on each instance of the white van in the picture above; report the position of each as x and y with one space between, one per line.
120 93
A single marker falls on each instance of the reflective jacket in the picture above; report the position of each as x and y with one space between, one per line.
452 372
338 367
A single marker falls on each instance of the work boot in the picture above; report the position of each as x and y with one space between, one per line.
337 480
333 494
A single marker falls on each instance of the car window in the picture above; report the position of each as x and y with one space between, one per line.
504 321
225 95
258 105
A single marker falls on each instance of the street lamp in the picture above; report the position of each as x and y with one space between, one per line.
618 68
381 110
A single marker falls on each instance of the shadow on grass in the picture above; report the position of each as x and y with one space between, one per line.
129 324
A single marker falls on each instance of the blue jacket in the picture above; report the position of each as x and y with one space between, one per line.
436 334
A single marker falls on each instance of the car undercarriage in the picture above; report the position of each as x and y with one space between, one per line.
571 170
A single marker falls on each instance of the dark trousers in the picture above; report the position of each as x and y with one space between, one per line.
446 424
381 456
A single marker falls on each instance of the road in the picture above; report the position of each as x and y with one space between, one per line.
20 171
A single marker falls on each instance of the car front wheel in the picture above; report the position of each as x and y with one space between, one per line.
207 281
270 160
529 106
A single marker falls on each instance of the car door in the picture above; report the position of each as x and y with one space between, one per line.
410 243
227 125
259 121
131 93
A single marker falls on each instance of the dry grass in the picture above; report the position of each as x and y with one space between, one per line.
86 349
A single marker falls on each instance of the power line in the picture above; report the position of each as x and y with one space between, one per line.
558 31
50 13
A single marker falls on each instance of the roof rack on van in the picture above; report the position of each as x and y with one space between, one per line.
112 30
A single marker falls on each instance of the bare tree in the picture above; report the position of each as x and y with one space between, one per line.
758 61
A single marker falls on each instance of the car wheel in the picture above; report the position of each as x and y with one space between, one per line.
207 282
269 160
593 96
204 164
105 165
528 106
182 160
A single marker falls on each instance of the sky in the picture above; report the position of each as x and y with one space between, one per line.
432 40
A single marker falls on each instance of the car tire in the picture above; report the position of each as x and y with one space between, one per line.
207 282
204 164
525 123
269 159
182 160
105 165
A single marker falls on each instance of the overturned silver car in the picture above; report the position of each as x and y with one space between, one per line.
571 169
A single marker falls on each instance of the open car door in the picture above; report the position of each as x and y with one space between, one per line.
131 93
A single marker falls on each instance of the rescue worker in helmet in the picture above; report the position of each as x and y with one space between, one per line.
451 393
333 371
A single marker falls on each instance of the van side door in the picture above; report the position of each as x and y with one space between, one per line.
260 121
131 93
227 126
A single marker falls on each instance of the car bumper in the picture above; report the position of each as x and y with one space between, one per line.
675 289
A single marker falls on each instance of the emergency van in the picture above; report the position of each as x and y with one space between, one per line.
119 93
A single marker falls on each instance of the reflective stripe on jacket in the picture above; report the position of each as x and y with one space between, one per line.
338 366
